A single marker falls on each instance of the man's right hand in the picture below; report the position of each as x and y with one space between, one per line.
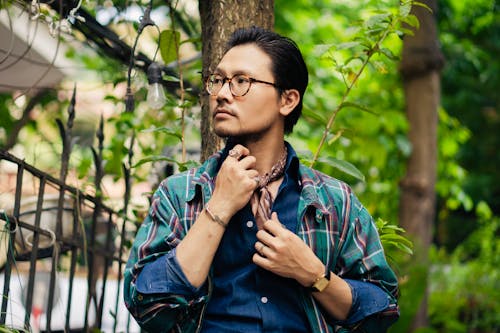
235 183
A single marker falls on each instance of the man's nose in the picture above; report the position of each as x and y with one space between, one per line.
225 91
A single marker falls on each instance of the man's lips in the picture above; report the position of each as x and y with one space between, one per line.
222 112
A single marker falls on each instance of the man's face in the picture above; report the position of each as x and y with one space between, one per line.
256 113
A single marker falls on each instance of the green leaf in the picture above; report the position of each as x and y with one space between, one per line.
347 45
405 32
191 40
412 21
152 159
317 115
376 20
187 165
405 8
84 166
169 44
389 54
321 49
170 78
389 236
358 106
343 166
421 4
165 130
483 210
185 104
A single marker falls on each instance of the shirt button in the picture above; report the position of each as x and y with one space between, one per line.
264 299
139 297
249 224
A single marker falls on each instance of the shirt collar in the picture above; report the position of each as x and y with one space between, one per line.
292 160
203 178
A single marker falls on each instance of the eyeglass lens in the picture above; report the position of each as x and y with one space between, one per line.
238 84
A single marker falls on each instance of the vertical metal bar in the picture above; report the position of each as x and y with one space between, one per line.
11 226
119 278
63 172
126 200
34 253
12 237
108 257
74 255
53 269
95 216
90 265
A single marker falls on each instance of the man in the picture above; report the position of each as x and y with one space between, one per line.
211 257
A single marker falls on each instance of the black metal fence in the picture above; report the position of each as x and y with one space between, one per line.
63 251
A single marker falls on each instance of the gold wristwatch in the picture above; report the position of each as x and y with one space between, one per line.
321 283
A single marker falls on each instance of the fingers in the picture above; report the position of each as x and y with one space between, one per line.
241 155
235 182
269 236
238 152
273 226
274 217
272 237
239 158
260 247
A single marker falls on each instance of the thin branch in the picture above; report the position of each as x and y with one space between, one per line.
333 116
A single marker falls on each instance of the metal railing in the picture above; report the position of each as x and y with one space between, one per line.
62 234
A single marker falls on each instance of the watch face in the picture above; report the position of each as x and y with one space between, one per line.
321 284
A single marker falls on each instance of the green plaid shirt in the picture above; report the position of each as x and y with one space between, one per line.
331 221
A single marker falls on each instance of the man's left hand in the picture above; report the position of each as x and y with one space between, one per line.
282 252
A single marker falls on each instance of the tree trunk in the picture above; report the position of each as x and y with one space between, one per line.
218 20
420 68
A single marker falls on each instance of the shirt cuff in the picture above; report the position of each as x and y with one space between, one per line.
367 299
164 275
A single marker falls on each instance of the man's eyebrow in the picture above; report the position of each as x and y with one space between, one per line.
236 72
219 71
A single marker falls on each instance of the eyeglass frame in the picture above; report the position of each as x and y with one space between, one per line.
229 79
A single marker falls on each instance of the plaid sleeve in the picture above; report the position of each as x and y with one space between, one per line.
156 309
362 258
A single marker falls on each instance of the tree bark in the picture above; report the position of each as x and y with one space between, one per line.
219 19
420 68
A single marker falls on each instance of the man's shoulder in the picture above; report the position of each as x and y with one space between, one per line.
313 177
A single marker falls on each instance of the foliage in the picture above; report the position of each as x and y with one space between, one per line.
370 132
470 36
470 83
450 184
161 134
413 277
467 282
390 236
365 44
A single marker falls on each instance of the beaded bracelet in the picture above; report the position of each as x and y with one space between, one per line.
215 218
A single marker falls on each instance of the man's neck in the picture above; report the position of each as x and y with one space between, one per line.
267 153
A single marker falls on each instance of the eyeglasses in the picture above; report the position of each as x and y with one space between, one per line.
239 84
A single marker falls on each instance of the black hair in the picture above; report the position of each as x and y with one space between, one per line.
288 66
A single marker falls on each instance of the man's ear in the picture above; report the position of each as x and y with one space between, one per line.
289 100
